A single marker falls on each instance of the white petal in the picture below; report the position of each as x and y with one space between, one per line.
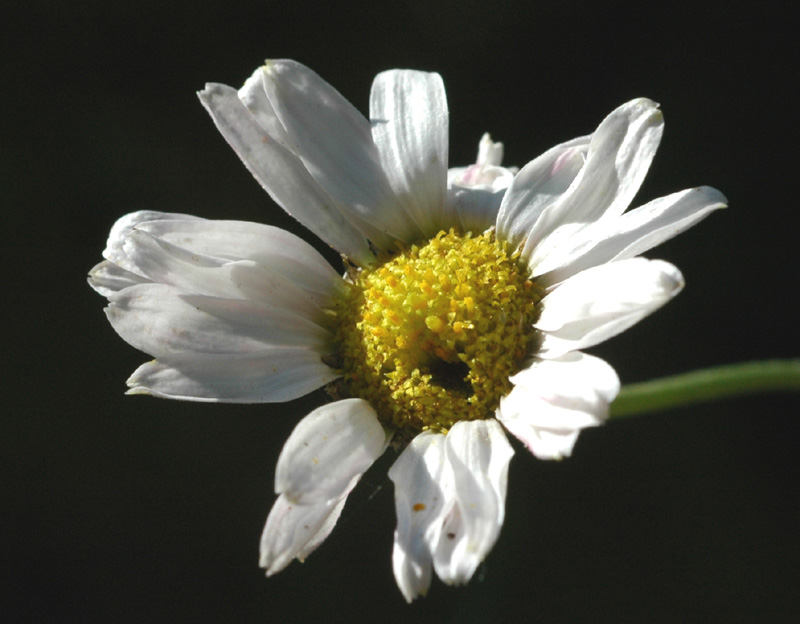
320 464
275 248
474 209
267 376
162 320
552 400
619 156
294 530
539 185
327 449
421 499
282 174
169 264
601 302
573 379
325 530
335 143
125 224
107 278
477 452
628 235
254 96
408 113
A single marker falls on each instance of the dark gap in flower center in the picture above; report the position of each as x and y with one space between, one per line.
452 376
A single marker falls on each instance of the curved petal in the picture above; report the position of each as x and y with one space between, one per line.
294 530
162 320
268 376
628 235
421 499
619 155
335 143
603 301
107 278
282 174
275 248
327 449
537 186
477 452
552 400
408 113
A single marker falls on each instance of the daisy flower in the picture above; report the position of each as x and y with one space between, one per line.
466 301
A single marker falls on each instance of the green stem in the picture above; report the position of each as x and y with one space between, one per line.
709 384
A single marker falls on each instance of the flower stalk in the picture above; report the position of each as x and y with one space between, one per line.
709 384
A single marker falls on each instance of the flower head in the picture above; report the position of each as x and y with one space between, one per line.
467 298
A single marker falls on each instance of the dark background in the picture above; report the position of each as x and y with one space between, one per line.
133 509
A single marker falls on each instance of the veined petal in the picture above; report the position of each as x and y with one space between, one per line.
408 113
628 235
282 174
421 499
107 278
271 375
477 452
161 320
523 217
332 445
166 263
552 400
335 143
278 250
601 302
294 530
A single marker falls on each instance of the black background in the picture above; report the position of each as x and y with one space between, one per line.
133 509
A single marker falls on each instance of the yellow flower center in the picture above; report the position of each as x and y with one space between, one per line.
431 335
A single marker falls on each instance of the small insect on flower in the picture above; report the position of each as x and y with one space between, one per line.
467 298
